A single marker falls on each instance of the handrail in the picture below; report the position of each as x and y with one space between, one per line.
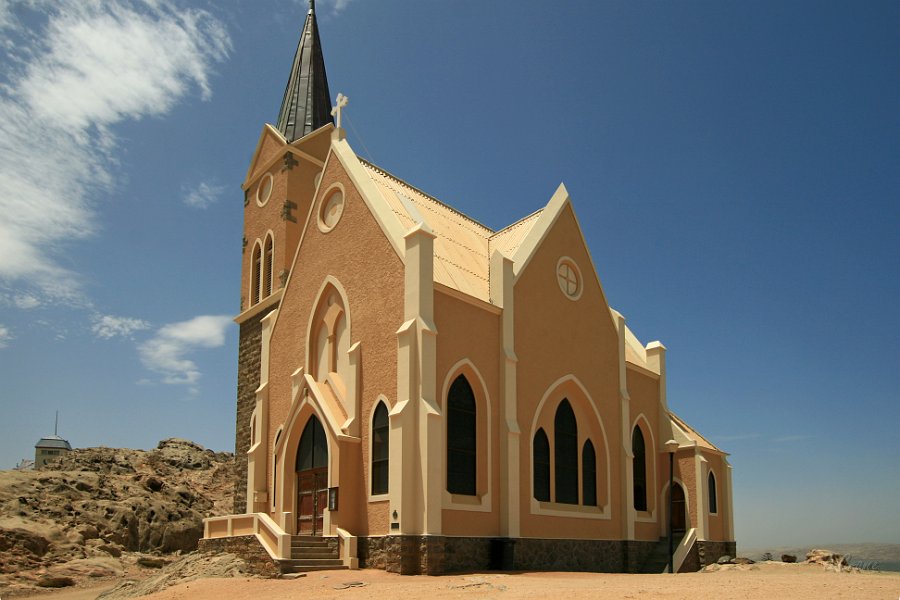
349 549
276 542
687 542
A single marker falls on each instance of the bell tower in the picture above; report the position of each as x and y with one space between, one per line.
278 191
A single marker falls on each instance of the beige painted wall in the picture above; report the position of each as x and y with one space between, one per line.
547 326
470 333
357 254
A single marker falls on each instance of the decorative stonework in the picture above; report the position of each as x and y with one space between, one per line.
287 211
288 162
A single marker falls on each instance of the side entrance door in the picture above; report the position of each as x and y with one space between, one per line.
312 478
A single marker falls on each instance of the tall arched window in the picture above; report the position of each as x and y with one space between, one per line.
565 447
713 501
380 450
461 438
639 469
541 452
267 267
255 270
588 475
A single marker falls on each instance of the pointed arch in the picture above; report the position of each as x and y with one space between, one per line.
565 453
478 481
639 468
646 479
713 494
379 449
588 474
541 466
255 272
267 265
328 332
462 438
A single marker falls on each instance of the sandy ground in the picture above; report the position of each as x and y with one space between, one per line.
767 580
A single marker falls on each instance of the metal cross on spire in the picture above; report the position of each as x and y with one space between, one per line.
340 102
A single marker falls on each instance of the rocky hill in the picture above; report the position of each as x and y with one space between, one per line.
104 511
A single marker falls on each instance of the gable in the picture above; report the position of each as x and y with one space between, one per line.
272 146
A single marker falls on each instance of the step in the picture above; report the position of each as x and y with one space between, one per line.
300 553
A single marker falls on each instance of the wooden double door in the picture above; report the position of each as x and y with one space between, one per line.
312 479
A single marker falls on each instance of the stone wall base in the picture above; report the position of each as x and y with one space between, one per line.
709 552
435 555
248 548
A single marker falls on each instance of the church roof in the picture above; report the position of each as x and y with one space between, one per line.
307 102
691 434
53 441
462 245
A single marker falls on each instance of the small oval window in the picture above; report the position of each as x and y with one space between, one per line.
331 211
569 278
264 190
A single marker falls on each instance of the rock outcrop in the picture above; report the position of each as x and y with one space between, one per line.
97 505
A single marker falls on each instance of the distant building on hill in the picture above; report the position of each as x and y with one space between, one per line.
50 447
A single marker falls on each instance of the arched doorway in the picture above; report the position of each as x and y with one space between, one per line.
312 478
679 510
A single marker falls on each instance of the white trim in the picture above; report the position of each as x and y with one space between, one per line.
323 198
259 297
557 509
269 179
458 295
456 501
579 280
387 495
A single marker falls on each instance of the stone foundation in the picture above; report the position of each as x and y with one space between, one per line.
709 552
249 361
435 555
248 548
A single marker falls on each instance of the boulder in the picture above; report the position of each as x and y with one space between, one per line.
725 560
788 558
51 581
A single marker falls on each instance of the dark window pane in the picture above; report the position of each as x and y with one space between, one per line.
313 450
713 504
461 438
565 446
589 475
541 451
639 469
380 450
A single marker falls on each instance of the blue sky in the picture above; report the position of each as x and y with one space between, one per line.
735 168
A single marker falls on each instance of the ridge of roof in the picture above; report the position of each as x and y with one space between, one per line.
518 223
487 232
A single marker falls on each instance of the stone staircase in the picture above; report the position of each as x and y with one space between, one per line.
658 560
310 553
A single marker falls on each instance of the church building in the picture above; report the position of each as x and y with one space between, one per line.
422 394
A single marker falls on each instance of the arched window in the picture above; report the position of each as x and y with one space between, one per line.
330 337
380 450
461 440
713 503
588 475
313 450
267 267
541 451
639 471
565 451
255 265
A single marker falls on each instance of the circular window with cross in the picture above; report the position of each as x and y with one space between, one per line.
569 277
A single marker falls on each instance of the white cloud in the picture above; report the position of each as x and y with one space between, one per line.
5 336
166 352
109 326
26 301
76 69
204 195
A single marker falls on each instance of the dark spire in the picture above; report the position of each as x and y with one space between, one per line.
307 102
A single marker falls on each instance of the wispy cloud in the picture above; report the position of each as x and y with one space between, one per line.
203 195
166 353
792 438
75 70
737 437
5 336
109 326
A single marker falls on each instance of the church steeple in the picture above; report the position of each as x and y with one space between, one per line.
307 102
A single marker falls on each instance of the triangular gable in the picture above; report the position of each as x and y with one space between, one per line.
272 145
684 432
542 227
